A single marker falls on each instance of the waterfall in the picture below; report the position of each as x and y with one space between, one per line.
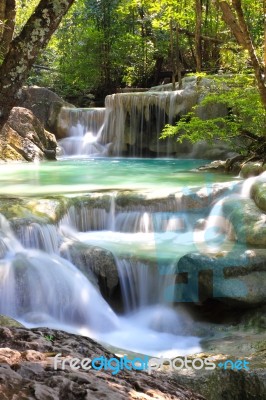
142 283
39 287
39 236
130 124
82 128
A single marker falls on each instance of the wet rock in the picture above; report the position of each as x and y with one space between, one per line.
96 263
248 221
7 321
226 384
237 278
258 194
23 138
24 211
43 381
252 169
214 166
45 105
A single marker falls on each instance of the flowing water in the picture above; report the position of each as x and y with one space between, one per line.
147 234
130 124
147 212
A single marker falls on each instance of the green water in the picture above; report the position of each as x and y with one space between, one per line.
87 174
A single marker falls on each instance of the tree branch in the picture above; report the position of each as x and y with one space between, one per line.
24 50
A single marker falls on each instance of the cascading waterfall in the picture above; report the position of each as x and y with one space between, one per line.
38 287
42 289
83 129
39 236
130 123
146 233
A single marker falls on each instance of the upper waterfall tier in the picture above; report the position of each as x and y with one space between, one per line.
130 124
134 121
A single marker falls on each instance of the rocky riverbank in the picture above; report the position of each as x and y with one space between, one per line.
27 371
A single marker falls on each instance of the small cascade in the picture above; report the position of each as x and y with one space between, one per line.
8 241
82 128
143 284
215 231
146 222
38 287
39 236
248 183
84 218
112 218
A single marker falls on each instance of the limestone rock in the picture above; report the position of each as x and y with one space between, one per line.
252 169
258 194
237 278
45 105
94 262
24 138
222 384
39 380
248 221
214 166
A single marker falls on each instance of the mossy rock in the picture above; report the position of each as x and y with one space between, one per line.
96 263
258 194
48 209
252 169
9 322
248 221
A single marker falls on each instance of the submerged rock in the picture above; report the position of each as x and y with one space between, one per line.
24 138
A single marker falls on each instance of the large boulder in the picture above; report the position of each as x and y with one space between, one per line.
252 169
258 194
24 138
247 220
237 278
45 105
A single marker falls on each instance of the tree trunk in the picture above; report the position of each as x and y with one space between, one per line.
264 14
172 51
240 30
178 61
25 48
7 25
198 35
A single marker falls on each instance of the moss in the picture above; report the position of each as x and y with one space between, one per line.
9 322
258 193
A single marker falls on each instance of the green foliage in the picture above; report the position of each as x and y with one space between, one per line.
104 44
49 338
246 118
24 9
